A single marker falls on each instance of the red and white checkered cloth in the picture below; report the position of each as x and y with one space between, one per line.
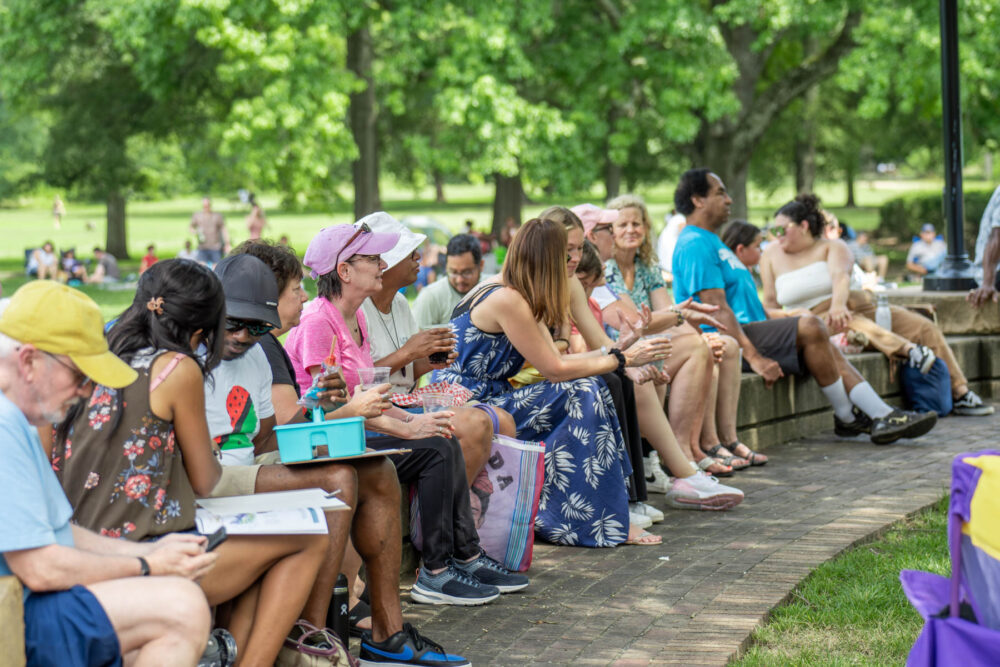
460 394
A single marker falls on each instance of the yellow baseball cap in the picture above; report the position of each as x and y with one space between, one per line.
61 320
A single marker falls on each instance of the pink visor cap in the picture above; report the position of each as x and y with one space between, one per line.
591 216
340 242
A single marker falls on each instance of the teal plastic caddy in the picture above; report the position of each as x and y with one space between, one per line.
301 442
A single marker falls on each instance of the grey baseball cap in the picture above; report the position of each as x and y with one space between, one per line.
251 289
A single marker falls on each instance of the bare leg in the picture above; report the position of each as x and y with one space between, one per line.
690 366
654 426
156 617
820 359
330 477
474 431
727 403
378 539
286 566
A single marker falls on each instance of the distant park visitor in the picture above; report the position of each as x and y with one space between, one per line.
210 228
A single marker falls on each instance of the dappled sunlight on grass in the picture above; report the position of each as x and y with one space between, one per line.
852 610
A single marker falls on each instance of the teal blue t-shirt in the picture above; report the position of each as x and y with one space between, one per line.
36 512
702 261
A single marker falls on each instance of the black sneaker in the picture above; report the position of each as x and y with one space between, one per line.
901 424
922 358
451 586
970 405
862 425
407 647
488 571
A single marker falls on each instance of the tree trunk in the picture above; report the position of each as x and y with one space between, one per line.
116 242
849 176
507 201
363 114
439 188
612 180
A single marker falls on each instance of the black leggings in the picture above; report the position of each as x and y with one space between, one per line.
623 396
437 468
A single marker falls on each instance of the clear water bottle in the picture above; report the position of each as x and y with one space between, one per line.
883 316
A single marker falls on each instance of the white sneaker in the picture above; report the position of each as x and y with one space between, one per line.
702 492
922 358
646 510
657 481
637 518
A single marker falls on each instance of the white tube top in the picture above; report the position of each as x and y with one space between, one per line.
805 287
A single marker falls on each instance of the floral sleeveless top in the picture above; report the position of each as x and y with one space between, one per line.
121 467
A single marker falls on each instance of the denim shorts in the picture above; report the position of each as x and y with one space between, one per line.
69 629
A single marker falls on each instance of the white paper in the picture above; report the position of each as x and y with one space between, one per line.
276 500
301 521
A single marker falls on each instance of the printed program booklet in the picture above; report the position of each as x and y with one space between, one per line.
278 513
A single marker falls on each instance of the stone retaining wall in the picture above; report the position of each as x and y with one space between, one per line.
795 407
12 622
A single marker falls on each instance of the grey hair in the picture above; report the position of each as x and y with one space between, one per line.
7 344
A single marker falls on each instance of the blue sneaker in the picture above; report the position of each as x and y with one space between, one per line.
451 586
407 647
488 571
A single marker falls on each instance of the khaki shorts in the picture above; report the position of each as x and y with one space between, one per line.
242 480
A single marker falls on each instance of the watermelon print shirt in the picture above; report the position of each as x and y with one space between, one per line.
236 399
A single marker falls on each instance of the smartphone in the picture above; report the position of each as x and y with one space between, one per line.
216 538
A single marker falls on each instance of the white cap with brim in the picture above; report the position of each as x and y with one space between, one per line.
408 240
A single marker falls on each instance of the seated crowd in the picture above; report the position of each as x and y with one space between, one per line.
110 439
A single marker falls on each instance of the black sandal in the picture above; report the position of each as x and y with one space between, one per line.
727 459
358 613
755 459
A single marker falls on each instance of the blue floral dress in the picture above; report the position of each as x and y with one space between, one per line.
584 501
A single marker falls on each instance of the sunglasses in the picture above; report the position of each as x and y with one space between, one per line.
253 328
83 383
362 229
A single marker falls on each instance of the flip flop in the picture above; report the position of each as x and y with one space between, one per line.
644 539
754 458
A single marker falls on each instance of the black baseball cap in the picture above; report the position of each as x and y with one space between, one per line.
251 289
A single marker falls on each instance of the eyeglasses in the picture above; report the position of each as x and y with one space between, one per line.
374 259
466 273
601 228
363 229
253 328
83 383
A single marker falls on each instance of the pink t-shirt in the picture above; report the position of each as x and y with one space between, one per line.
309 343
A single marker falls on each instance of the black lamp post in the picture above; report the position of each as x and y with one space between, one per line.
956 272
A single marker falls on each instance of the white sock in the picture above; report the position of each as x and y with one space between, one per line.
864 396
837 395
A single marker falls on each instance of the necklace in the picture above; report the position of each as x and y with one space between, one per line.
394 338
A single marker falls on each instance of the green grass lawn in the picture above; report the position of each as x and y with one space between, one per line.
165 223
851 610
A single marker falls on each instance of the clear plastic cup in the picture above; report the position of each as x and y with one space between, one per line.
654 336
439 357
373 377
437 402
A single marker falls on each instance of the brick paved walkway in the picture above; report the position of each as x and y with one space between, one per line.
632 606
